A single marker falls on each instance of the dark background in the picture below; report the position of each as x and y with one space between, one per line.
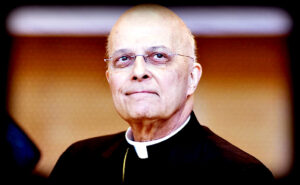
290 7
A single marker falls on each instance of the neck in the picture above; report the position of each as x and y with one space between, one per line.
152 129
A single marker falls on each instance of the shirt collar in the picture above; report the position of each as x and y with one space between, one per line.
141 147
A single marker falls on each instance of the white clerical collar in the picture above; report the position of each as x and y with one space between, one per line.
141 147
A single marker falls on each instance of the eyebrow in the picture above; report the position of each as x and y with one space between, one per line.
155 48
121 51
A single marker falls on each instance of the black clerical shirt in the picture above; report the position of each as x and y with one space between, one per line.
195 155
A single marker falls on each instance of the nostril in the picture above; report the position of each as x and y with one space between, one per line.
140 78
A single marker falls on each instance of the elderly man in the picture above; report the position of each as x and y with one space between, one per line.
153 73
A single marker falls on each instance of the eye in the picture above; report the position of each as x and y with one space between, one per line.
123 61
123 58
158 55
159 58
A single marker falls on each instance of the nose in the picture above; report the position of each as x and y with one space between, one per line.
140 72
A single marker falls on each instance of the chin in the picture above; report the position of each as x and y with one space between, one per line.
142 114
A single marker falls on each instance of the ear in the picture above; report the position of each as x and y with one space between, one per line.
194 78
107 76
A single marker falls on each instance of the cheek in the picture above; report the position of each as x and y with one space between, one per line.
175 85
116 84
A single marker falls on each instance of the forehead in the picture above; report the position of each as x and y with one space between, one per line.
140 35
143 27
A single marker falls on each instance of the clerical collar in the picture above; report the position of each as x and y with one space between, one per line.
141 147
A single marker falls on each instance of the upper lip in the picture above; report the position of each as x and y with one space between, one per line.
140 91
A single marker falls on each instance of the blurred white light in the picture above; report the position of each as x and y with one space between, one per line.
43 20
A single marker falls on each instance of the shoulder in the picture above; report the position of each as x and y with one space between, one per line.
96 143
84 157
224 149
212 147
233 159
88 150
84 160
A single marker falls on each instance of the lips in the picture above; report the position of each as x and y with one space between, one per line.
141 92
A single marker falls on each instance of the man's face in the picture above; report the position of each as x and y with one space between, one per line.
142 90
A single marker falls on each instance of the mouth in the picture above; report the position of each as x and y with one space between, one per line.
141 92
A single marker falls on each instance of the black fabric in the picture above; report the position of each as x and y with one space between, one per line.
195 155
19 154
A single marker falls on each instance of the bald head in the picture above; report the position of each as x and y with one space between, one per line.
149 20
156 89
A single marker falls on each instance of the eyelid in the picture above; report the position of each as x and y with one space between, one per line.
166 55
117 57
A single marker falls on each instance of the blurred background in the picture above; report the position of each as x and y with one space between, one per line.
55 92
